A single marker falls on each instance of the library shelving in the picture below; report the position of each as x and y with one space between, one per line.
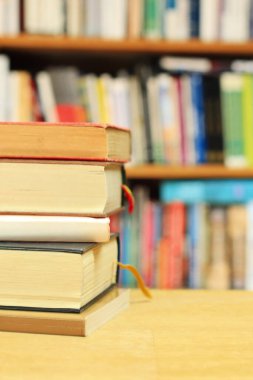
135 46
131 51
154 171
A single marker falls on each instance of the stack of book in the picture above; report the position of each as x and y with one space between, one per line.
60 183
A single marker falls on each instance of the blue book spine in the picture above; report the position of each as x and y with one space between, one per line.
198 108
208 191
229 191
194 18
171 4
125 276
187 192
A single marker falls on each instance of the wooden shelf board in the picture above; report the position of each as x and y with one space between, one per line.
186 172
140 46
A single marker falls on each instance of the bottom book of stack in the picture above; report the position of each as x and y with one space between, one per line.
81 324
59 288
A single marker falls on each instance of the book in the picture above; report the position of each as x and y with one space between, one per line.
183 64
46 97
198 244
188 118
194 18
65 88
229 18
113 20
54 228
209 20
247 99
199 115
72 141
186 191
152 19
61 277
176 12
20 96
154 98
222 191
82 324
74 17
212 110
236 230
135 18
171 247
60 187
232 106
218 271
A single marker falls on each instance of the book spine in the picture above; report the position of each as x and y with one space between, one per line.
236 229
218 275
181 120
198 104
231 91
247 100
194 18
152 18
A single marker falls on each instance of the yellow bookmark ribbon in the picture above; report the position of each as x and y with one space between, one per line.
138 277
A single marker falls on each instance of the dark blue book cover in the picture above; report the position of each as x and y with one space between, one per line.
198 106
194 18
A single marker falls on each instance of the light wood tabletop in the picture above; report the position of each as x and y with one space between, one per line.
177 335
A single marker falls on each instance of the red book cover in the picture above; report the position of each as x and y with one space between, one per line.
171 262
70 113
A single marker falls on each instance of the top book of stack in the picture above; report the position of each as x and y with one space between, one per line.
65 141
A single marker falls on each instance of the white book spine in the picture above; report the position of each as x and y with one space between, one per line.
46 97
235 13
73 17
209 19
12 17
4 88
32 16
54 228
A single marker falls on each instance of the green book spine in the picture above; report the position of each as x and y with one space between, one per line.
232 114
248 116
152 18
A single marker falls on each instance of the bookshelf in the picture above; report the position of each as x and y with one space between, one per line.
152 172
131 51
135 46
120 60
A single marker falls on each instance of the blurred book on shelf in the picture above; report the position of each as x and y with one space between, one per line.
195 241
150 19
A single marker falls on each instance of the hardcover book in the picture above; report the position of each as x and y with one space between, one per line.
69 141
62 277
82 324
60 187
55 228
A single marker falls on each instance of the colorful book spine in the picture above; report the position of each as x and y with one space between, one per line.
209 191
232 108
198 104
194 18
247 101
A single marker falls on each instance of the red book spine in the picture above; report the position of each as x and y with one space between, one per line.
70 113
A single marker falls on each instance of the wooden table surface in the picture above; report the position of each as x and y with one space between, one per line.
178 335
